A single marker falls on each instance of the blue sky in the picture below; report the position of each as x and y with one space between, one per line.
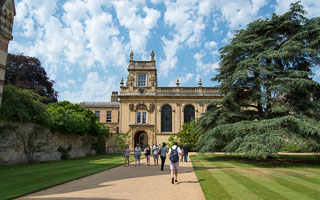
84 45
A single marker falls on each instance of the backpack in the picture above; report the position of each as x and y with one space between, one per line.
174 156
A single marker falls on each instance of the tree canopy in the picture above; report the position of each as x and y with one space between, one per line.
27 73
270 98
186 135
73 118
23 105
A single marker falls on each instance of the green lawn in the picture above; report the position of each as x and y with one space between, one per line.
234 177
23 179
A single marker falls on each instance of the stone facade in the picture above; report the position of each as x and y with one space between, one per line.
149 112
7 12
24 143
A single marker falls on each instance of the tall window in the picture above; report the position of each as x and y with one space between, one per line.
188 113
108 116
141 80
97 115
166 118
141 117
118 116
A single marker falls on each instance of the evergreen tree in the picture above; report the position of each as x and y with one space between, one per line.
270 98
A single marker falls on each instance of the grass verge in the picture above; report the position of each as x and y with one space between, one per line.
23 179
235 177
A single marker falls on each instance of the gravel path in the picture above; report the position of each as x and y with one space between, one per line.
133 182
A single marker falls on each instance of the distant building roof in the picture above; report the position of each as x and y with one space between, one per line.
100 104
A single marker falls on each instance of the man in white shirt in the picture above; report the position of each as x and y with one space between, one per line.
174 152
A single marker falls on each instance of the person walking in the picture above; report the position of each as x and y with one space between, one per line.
147 152
185 152
155 150
163 155
174 152
126 155
137 154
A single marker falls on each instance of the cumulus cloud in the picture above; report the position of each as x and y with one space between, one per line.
204 68
239 13
187 18
94 88
182 80
139 27
311 6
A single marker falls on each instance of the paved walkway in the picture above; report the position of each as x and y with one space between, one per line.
140 182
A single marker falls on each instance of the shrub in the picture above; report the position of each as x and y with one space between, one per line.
23 105
73 118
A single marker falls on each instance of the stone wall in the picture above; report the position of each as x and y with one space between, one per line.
29 143
111 146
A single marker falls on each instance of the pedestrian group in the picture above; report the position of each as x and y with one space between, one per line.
162 151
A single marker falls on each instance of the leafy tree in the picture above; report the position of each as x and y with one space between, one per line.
27 73
122 139
270 98
73 118
186 135
23 105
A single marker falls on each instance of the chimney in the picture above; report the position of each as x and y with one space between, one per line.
114 96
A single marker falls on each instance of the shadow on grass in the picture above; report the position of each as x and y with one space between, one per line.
207 168
283 161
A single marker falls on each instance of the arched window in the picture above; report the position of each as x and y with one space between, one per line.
166 118
210 107
188 113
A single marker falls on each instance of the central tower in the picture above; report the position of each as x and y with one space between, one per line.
142 78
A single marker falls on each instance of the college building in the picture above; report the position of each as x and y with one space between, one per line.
7 13
149 112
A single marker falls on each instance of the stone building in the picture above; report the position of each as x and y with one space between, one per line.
7 13
151 113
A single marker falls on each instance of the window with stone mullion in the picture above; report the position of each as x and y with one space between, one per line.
141 117
108 116
141 80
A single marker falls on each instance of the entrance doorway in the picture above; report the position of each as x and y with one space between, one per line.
141 138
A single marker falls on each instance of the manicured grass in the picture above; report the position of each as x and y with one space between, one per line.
23 179
234 177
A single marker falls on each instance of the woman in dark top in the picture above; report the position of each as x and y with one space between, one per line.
163 154
147 153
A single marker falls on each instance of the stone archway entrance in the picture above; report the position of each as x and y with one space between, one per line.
141 138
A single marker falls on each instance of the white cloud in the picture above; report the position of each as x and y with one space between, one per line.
210 45
311 6
182 80
139 27
84 34
94 88
187 19
228 38
28 27
21 12
238 13
204 68
170 48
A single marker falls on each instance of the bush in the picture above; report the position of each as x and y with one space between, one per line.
295 148
23 105
73 118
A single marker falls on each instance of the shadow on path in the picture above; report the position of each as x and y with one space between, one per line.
104 179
